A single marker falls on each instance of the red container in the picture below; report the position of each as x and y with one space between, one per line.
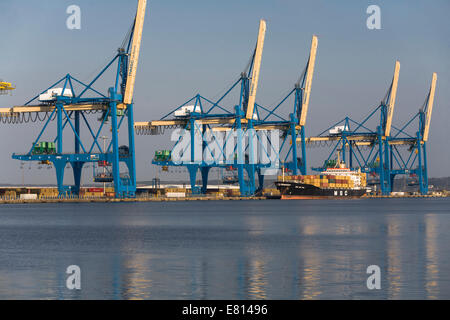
103 164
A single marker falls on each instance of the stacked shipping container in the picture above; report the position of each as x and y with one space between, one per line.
350 181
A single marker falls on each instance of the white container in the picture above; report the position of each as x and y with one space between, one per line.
186 110
51 94
28 196
175 194
338 129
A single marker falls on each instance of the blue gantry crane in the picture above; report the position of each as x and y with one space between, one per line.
408 145
385 151
247 121
74 106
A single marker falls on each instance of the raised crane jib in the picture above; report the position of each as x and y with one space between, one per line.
308 81
429 107
392 97
134 53
256 68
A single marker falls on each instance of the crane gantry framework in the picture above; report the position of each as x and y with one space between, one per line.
383 152
207 117
73 112
386 151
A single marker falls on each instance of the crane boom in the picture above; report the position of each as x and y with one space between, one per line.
256 69
135 49
392 97
430 103
309 78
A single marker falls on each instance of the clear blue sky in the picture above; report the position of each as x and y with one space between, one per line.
203 45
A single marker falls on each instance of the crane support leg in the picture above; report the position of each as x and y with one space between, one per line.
424 185
115 145
251 167
77 166
240 159
77 130
260 180
422 166
350 155
240 153
344 149
294 145
250 188
131 143
59 128
381 164
60 165
392 180
387 166
303 146
205 172
77 170
192 168
419 154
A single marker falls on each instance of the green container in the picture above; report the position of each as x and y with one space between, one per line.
39 148
52 147
158 155
330 163
163 155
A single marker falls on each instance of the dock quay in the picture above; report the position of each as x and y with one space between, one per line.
117 200
167 193
441 195
164 198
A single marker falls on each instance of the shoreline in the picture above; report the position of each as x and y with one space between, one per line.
165 199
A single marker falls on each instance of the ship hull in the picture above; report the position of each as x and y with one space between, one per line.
297 190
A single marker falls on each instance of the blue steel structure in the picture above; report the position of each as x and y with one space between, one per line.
210 117
76 112
381 156
408 146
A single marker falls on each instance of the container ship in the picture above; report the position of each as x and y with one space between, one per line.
334 182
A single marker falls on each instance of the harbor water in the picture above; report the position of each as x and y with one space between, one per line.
305 249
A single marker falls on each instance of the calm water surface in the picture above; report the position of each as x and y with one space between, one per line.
227 249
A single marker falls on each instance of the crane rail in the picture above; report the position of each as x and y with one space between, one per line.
49 108
360 140
222 124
